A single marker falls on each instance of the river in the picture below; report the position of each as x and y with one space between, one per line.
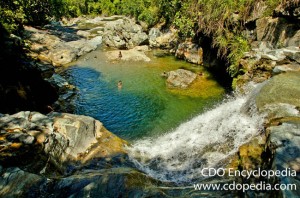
144 106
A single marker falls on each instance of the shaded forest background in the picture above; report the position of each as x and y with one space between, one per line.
222 20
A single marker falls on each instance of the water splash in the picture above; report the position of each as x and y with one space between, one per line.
206 141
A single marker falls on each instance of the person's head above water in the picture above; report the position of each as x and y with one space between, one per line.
120 84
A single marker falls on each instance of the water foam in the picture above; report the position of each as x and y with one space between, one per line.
206 141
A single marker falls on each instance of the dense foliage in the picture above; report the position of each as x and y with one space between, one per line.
222 20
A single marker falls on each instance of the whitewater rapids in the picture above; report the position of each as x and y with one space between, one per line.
206 141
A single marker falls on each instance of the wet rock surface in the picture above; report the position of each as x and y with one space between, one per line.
65 155
279 100
89 160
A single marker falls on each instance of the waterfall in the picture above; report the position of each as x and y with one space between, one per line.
206 141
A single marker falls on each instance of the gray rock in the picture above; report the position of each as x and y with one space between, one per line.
17 121
166 40
153 34
135 54
66 138
282 88
84 34
84 46
15 182
180 78
269 57
286 139
27 139
293 54
108 182
46 70
124 33
190 52
285 68
57 51
98 31
278 99
59 82
278 31
62 55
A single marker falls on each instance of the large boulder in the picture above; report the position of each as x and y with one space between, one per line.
166 40
190 52
283 88
50 48
279 100
262 62
60 139
180 78
153 34
124 33
61 55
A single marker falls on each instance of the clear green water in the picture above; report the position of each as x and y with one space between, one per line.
144 106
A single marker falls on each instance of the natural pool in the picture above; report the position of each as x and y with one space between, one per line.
144 106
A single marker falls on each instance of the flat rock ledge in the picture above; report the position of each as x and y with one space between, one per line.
135 54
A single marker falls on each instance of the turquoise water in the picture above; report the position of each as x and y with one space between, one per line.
144 106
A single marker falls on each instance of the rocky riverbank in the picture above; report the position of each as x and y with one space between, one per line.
70 155
56 139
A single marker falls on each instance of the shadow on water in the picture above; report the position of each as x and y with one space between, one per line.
144 106
122 112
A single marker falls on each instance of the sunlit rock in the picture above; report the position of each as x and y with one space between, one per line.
180 78
58 138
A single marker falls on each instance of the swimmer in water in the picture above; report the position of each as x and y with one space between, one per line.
120 84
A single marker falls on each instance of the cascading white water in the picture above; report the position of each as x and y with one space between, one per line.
206 141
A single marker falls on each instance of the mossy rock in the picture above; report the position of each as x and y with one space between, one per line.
250 154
